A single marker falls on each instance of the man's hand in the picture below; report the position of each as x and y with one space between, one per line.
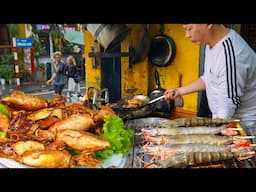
171 94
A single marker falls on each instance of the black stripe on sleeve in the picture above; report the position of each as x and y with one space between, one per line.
238 101
231 71
226 58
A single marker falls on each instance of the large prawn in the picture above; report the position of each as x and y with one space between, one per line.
195 121
189 130
168 150
183 160
198 138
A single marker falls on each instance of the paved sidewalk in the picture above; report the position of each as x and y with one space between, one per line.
30 87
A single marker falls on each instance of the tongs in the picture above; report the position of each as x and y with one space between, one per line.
155 100
145 104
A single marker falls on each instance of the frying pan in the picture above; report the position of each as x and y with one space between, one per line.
146 102
163 106
135 112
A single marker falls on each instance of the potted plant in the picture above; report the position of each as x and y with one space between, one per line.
7 71
2 74
40 72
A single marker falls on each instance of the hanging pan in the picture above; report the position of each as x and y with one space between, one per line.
162 50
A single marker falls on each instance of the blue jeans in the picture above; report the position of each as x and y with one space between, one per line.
58 88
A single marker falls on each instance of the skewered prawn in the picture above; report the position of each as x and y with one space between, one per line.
192 158
168 150
188 130
195 121
197 138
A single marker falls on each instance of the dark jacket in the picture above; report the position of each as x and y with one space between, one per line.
71 71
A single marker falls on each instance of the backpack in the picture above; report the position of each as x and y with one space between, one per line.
77 78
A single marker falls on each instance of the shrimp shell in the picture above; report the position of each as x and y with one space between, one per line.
182 130
165 151
193 138
195 121
183 160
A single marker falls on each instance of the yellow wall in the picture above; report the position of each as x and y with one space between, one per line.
140 76
22 33
185 62
135 77
93 75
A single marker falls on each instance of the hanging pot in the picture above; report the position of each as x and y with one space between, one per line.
165 106
108 35
162 50
142 49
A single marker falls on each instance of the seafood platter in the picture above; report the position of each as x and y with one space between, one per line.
191 143
53 133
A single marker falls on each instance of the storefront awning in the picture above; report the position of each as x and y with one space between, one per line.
75 37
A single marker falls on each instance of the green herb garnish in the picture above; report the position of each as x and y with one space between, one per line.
4 110
119 138
3 134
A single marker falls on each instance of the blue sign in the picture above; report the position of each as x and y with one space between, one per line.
24 42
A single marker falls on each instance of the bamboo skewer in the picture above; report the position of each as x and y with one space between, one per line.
234 129
244 137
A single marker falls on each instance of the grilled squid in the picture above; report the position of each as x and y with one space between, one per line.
46 159
80 122
82 140
25 101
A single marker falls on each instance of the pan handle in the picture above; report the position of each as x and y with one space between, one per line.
157 79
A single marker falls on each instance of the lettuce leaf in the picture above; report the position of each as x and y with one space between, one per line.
3 134
119 138
4 110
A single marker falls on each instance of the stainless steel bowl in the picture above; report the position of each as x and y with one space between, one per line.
143 98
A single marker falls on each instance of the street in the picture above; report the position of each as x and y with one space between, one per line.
45 91
50 94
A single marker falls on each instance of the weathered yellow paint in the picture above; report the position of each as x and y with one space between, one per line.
186 62
93 75
134 78
139 79
22 31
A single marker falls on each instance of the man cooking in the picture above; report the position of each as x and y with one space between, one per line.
229 74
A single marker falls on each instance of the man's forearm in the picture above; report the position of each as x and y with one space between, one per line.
195 86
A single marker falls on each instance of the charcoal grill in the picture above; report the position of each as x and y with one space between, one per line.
135 159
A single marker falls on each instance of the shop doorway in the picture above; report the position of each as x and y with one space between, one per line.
111 75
